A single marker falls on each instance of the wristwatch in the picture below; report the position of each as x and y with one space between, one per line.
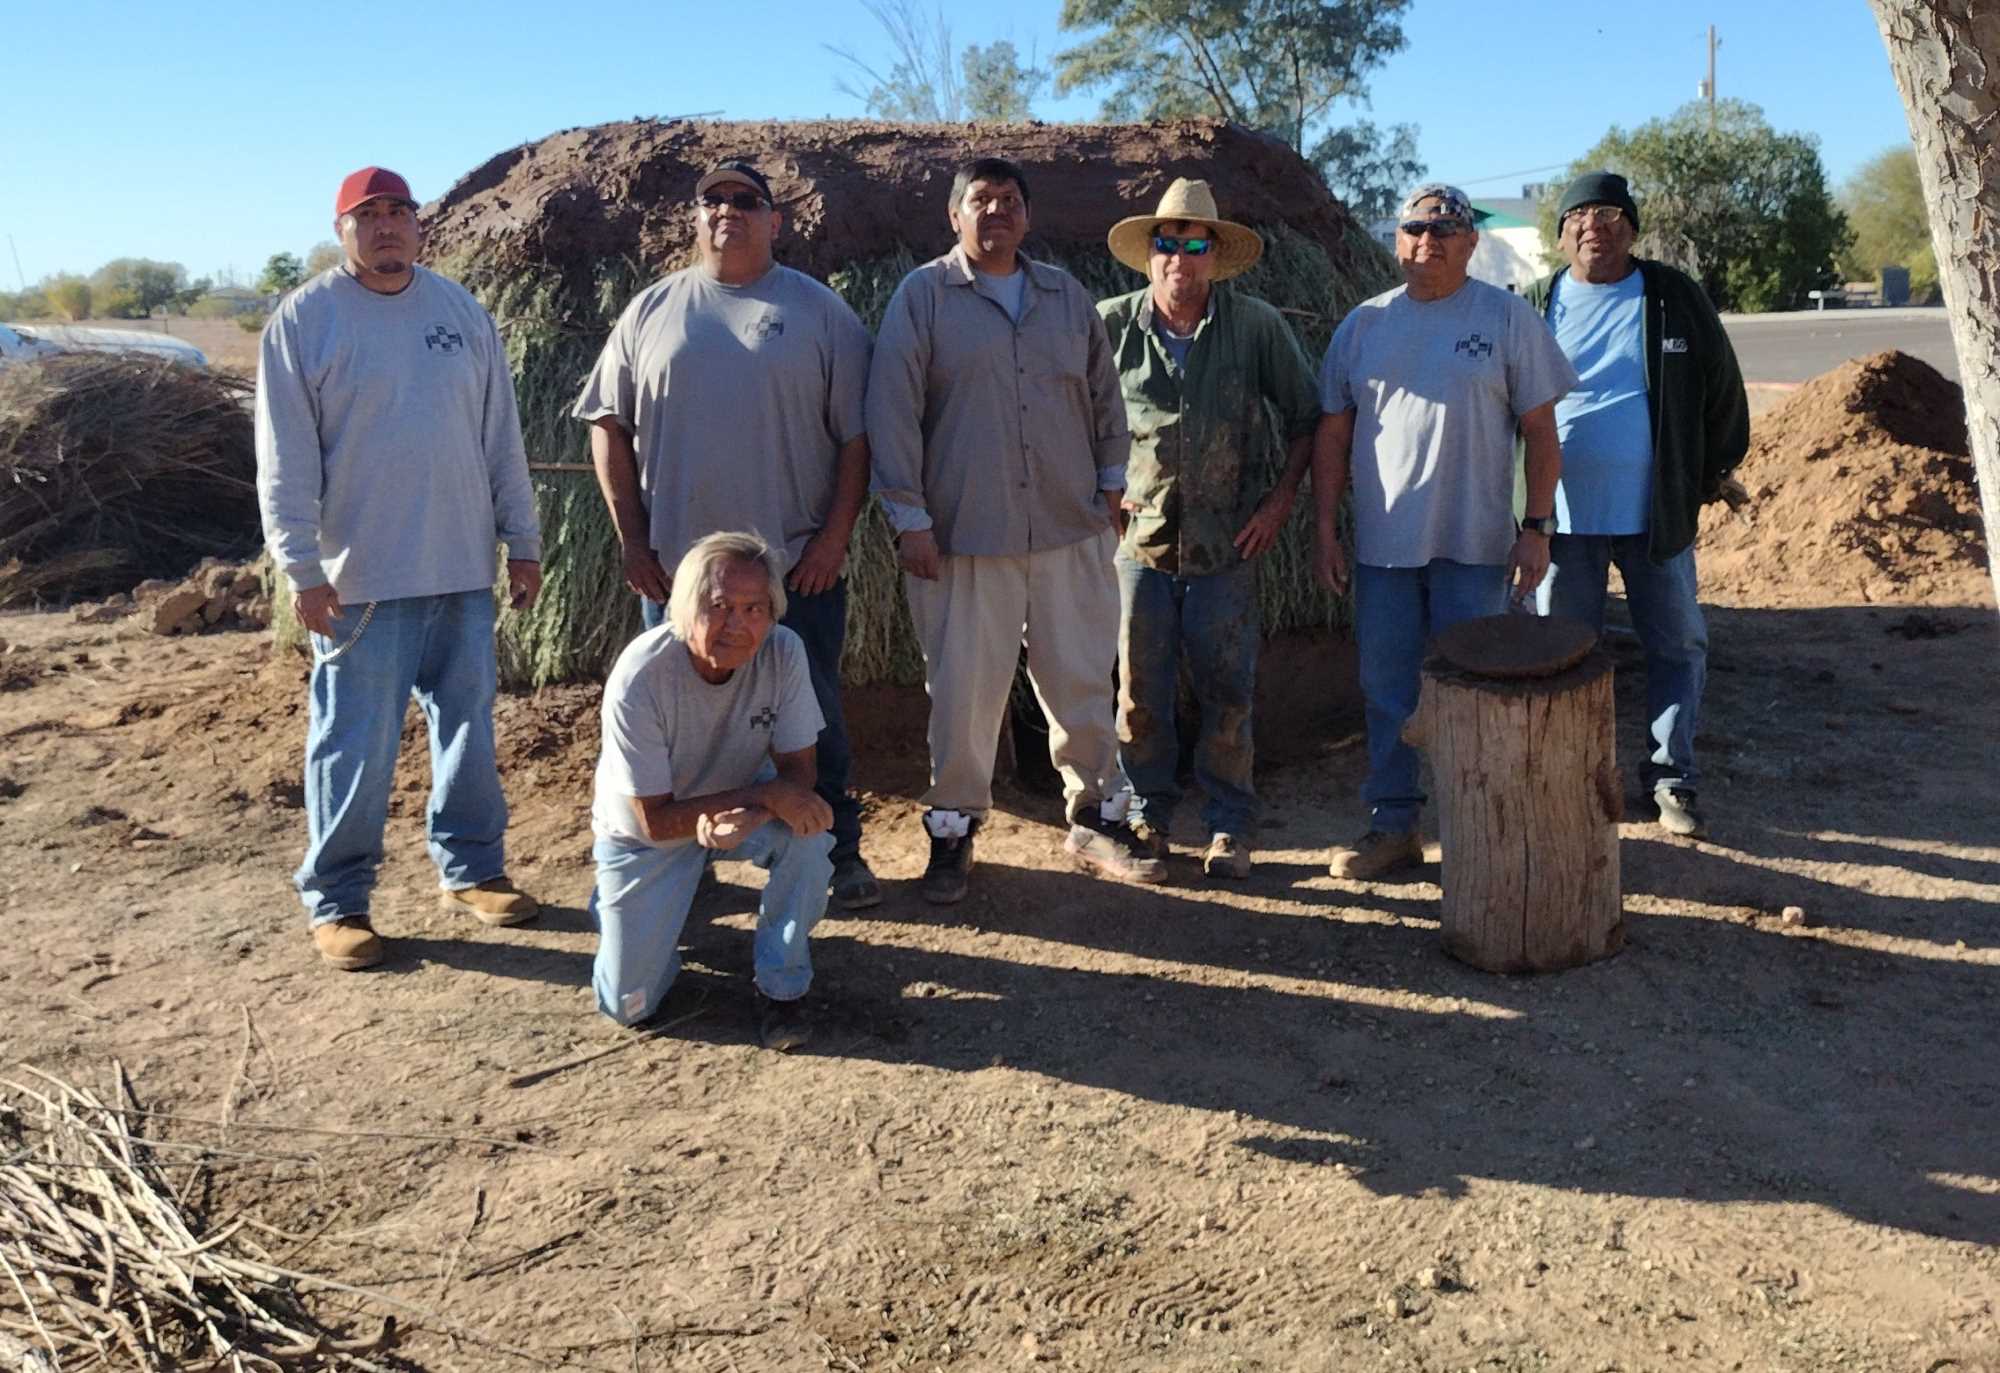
1545 525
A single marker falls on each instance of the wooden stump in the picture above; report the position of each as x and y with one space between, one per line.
1529 795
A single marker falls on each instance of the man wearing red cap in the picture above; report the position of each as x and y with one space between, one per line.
389 463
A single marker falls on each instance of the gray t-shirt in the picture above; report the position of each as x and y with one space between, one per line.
1437 388
389 456
669 732
738 398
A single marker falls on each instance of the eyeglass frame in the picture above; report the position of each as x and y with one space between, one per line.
715 200
1596 213
1444 226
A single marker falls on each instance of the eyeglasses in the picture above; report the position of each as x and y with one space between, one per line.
741 200
1436 228
1597 214
1193 247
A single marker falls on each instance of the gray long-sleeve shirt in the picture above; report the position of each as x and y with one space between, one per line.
997 430
389 457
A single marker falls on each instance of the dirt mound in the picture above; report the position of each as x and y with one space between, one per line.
854 189
216 595
1862 491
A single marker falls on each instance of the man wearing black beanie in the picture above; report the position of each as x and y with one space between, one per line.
1657 421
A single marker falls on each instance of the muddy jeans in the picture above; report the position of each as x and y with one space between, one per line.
1212 622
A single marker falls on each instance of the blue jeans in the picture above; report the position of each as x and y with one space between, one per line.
820 621
1397 610
440 648
641 903
1667 616
1213 621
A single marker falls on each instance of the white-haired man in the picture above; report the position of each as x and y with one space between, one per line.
709 730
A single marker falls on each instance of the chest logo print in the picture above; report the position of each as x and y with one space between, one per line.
1473 346
764 328
764 719
443 340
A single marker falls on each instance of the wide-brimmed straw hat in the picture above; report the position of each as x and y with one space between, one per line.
1237 246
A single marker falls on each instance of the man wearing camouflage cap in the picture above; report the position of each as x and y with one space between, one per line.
1423 389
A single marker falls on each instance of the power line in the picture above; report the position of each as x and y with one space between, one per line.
1505 176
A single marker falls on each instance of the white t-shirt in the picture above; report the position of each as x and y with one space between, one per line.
1438 388
669 732
739 399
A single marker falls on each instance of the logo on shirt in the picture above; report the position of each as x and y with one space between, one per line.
1473 346
443 340
1673 345
764 719
764 328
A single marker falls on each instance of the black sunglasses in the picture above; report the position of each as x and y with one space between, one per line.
1193 247
742 200
1436 228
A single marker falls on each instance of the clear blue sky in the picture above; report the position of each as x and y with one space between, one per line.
214 133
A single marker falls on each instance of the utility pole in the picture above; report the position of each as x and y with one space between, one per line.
1708 86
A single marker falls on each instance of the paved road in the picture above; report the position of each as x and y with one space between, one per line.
1799 346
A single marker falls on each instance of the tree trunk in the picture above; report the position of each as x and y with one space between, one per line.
1946 58
1529 800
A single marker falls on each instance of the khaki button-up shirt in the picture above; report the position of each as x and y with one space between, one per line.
996 430
1199 433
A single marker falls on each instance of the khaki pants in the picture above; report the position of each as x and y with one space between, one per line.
972 621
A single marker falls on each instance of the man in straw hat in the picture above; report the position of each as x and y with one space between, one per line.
1197 362
389 464
999 445
1423 388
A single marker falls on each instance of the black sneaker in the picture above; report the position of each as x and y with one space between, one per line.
945 877
782 1025
1109 847
1678 812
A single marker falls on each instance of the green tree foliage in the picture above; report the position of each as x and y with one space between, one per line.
282 272
1277 65
185 298
1743 208
997 88
68 296
322 257
133 287
1884 203
24 305
929 80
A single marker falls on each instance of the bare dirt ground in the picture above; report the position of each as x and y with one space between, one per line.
1266 1126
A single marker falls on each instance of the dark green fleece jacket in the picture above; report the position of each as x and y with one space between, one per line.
1694 391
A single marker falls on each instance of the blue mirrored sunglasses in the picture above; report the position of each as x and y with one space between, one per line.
1193 247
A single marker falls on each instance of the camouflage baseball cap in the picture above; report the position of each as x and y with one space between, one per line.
1452 203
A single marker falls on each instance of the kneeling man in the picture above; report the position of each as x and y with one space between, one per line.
709 726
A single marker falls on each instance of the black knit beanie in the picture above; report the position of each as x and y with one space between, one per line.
1599 188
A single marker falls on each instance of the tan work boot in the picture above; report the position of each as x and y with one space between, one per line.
1227 856
496 901
1377 853
348 943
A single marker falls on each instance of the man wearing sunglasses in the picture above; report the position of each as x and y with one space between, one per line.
1000 447
729 396
1657 423
1197 362
1424 388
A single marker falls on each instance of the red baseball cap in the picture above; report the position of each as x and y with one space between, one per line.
368 184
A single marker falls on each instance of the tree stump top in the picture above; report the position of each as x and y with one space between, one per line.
1507 647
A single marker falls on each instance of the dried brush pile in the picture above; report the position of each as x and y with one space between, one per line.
104 1263
116 468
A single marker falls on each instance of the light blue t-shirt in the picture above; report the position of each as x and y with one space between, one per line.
1012 290
1604 424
